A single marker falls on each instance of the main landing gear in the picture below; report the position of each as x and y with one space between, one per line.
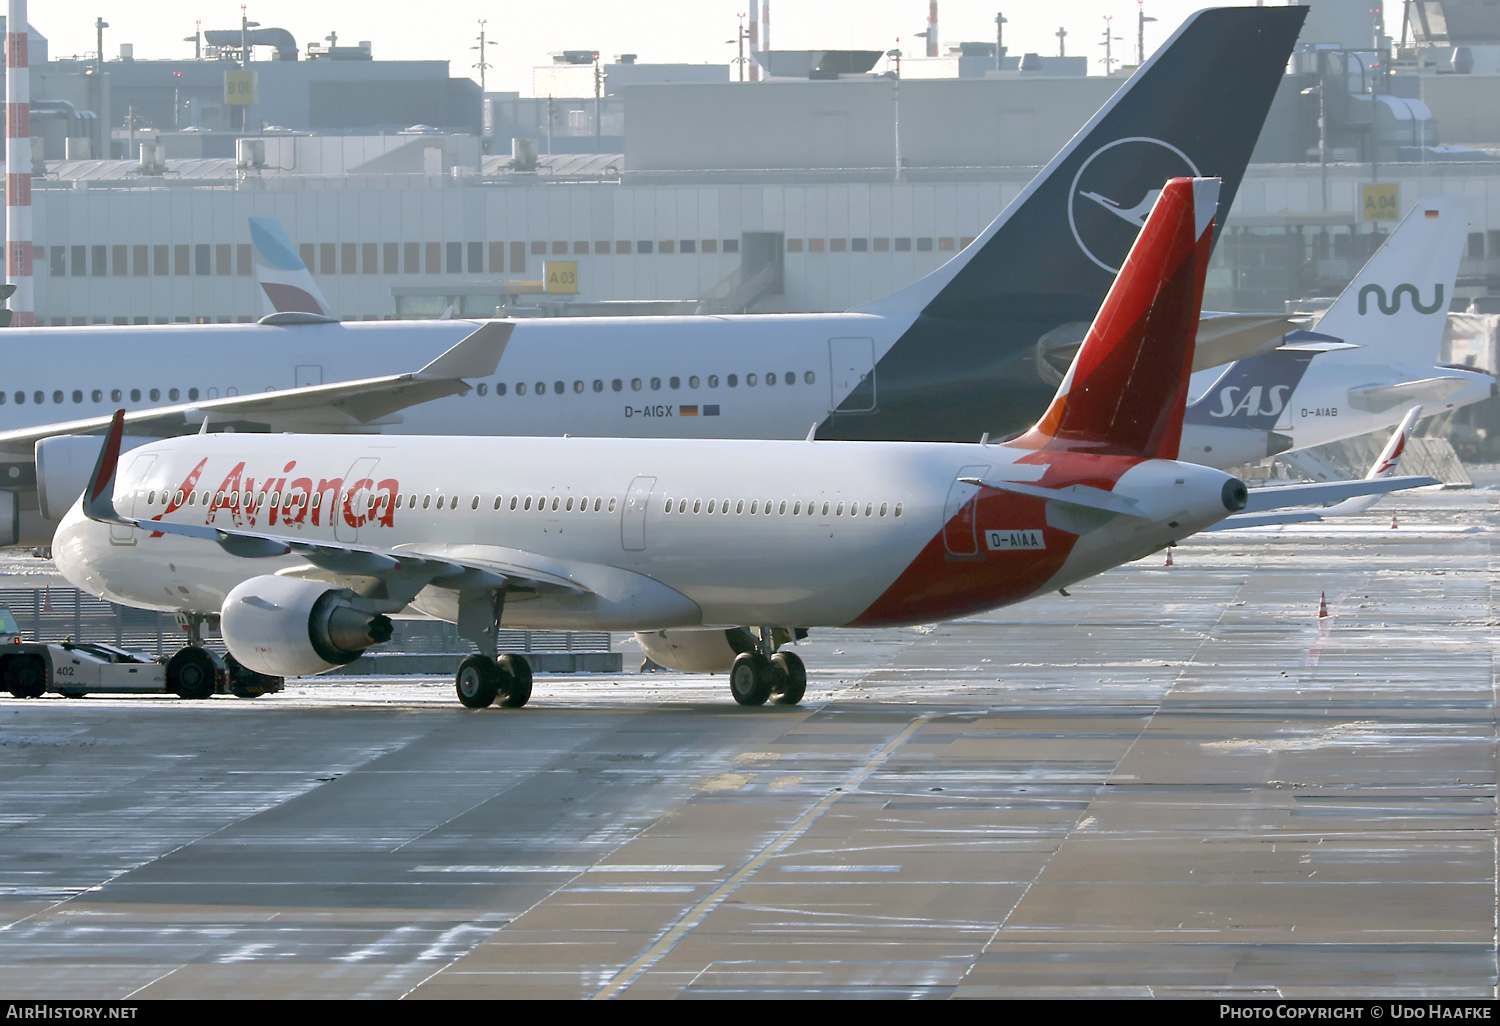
480 681
757 675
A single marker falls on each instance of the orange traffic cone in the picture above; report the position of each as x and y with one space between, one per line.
1169 557
1322 605
1394 525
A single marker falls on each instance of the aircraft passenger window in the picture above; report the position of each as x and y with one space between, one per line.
151 498
674 383
869 508
598 385
611 505
475 503
317 500
558 387
682 506
520 388
528 503
114 396
426 501
597 503
497 501
898 509
204 497
569 507
180 498
809 377
617 384
840 511
135 395
739 507
3 398
782 510
77 395
482 388
883 507
693 381
797 509
499 388
156 395
656 384
541 387
724 506
771 378
193 394
57 396
697 505
554 504
713 381
767 510
753 505
732 381
192 496
825 509
513 503
710 505
578 388
790 377
750 380
635 384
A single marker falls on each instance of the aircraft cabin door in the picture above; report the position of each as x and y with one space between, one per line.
127 488
354 499
960 516
633 517
851 367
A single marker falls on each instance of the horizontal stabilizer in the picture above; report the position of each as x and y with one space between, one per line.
1282 496
1074 495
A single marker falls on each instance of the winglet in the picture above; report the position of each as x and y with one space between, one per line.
476 355
98 497
1126 390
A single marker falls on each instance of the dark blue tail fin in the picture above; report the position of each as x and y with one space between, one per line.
1194 109
1252 393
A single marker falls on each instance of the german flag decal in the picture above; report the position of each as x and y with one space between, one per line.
687 411
1432 215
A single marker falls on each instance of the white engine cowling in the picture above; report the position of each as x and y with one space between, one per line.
696 651
288 627
64 464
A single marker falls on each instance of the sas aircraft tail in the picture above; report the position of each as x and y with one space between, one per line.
1396 307
1126 391
286 283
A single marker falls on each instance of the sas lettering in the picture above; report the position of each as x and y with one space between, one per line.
1251 405
1005 541
1321 411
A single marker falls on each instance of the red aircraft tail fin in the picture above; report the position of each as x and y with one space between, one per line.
1127 388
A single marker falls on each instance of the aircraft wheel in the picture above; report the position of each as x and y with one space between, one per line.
750 678
191 674
791 678
515 681
26 677
477 682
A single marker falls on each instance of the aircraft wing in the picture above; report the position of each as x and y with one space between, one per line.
1226 337
338 406
1429 391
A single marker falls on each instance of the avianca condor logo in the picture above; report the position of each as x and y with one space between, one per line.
1274 400
285 499
1394 306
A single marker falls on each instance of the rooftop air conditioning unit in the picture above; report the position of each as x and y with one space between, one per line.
153 159
249 153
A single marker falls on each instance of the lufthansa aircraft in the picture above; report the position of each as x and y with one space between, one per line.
975 347
304 545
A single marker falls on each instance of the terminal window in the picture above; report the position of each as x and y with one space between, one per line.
455 258
601 248
731 245
201 259
305 253
538 249
160 262
391 255
882 245
622 246
59 262
412 257
434 258
476 258
80 255
223 258
497 257
559 249
794 245
369 254
118 261
688 246
98 257
903 245
924 245
644 246
580 249
326 261
945 244
710 245
667 246
837 245
815 245
139 260
241 258
347 251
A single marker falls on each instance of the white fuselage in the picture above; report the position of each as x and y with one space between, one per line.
806 534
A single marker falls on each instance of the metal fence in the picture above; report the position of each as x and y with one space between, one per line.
55 614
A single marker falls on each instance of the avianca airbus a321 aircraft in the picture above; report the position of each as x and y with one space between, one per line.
976 346
304 545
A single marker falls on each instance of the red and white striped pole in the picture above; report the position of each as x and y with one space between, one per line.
932 29
18 165
765 25
754 40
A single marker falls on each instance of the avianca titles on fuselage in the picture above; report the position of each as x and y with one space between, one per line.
629 534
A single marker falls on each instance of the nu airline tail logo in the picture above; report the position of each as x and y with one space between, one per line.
1393 306
1111 197
1257 401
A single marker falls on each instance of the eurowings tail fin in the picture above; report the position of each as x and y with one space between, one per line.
1126 391
286 283
1396 307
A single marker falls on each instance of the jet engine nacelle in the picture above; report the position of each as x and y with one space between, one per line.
696 651
64 464
290 627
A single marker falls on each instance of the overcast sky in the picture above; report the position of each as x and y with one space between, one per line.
691 31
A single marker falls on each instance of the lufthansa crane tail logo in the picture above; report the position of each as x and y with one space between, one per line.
1111 197
1393 305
